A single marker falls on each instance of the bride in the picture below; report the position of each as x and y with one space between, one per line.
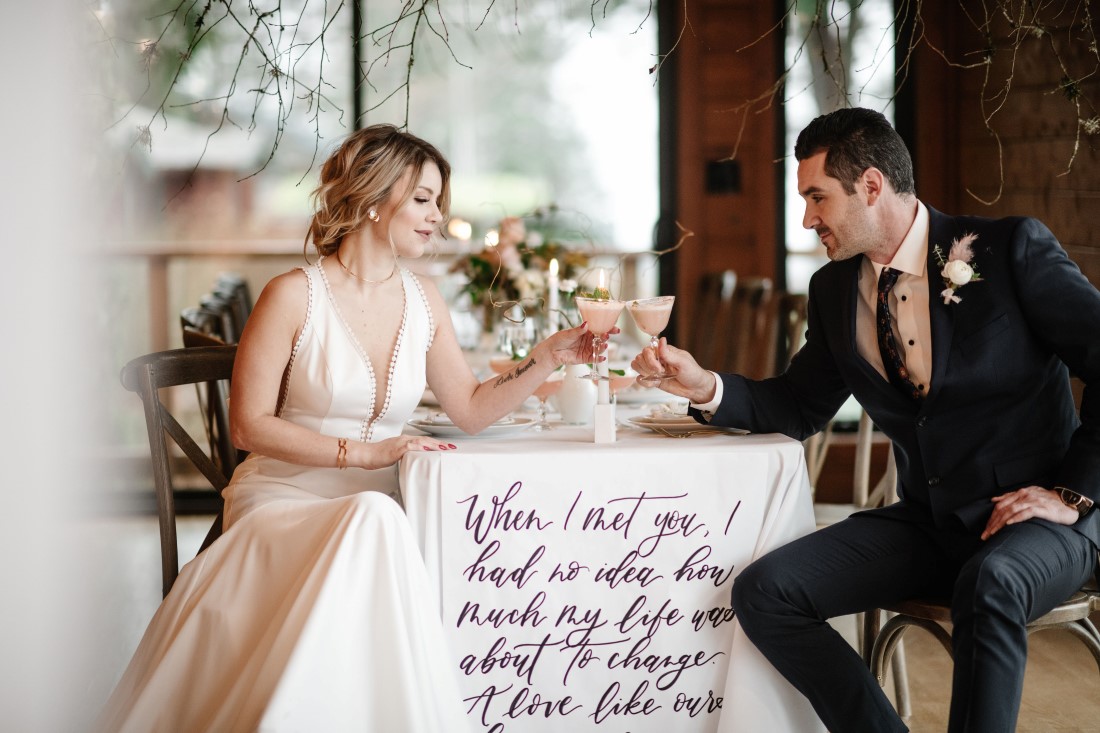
313 611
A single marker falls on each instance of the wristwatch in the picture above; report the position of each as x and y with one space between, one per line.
1074 500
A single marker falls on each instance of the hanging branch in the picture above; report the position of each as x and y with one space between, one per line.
1027 21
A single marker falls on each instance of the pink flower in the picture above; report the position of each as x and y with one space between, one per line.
512 231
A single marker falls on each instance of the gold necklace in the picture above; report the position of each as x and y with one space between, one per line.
363 279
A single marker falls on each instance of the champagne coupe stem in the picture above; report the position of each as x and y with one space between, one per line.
597 342
655 379
542 423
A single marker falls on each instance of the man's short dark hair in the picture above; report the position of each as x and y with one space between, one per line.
856 139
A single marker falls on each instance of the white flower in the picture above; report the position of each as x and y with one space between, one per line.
534 239
958 272
568 285
529 284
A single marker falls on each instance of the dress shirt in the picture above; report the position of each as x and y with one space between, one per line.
908 304
911 322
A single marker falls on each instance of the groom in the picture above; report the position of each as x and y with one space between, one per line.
957 335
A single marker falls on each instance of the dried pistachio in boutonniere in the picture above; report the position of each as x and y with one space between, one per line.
957 269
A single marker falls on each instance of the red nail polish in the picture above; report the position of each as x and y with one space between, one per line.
452 446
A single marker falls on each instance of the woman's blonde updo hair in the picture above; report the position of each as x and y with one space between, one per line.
361 175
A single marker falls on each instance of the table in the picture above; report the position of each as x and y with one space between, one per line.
585 587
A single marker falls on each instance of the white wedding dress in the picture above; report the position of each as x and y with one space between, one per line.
313 612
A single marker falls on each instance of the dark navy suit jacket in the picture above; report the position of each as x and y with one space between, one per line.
999 414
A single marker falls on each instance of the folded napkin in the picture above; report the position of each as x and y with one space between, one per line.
669 409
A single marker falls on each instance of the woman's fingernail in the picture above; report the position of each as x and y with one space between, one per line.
452 446
442 446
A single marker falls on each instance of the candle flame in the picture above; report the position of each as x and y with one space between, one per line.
554 267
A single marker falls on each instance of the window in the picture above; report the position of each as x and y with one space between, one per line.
858 37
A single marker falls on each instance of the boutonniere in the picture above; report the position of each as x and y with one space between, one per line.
957 269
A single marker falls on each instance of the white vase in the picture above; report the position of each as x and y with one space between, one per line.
577 397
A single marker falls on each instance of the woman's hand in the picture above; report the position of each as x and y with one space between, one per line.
391 450
572 346
682 374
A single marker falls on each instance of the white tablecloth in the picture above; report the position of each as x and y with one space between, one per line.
586 587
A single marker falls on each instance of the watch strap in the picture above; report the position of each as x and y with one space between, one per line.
1074 500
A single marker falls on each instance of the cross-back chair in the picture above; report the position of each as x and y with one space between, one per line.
713 306
234 289
201 327
881 640
229 326
207 366
751 331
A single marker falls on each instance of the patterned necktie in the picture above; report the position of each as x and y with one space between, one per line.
888 348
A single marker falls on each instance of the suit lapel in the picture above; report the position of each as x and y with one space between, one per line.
941 316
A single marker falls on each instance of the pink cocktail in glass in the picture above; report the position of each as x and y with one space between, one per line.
651 316
601 314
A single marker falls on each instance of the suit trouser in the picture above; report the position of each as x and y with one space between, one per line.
784 599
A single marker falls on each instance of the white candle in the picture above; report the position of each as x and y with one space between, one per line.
553 296
603 392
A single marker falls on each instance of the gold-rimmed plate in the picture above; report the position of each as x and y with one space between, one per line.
450 430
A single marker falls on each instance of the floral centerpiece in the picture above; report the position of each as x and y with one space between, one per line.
516 269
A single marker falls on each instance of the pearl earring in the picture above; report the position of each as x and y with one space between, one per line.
373 215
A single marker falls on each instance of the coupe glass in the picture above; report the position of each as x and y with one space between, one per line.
601 314
545 391
651 316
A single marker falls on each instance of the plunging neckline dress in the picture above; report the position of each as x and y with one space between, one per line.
313 611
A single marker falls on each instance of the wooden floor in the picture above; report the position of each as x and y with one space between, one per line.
1061 688
1057 663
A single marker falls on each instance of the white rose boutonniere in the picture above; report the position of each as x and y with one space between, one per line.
957 269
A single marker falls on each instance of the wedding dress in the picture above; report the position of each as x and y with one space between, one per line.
313 611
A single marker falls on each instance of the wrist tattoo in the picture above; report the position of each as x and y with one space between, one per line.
518 372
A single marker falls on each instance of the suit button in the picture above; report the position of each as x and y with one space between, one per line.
934 481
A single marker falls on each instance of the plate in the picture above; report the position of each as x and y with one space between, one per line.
443 420
668 418
444 430
680 424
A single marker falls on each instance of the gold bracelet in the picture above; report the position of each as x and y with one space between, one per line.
342 453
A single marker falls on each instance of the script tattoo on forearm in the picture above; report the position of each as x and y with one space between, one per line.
505 378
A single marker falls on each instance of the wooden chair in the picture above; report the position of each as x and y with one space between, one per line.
880 645
752 330
229 327
210 366
714 307
234 289
201 327
864 495
792 315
